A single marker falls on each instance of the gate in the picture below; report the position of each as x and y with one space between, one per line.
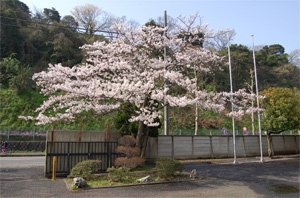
70 153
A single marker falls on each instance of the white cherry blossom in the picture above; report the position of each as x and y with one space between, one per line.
131 68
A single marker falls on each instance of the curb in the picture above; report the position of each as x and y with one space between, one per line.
22 154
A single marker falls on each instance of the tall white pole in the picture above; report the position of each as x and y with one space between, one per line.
257 99
232 105
166 107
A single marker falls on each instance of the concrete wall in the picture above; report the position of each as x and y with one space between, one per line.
84 136
193 147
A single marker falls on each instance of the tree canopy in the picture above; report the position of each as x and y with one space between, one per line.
282 109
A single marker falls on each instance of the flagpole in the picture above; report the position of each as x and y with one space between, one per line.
232 105
257 99
166 105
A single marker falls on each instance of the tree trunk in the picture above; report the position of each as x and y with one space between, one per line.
139 136
196 109
145 140
196 119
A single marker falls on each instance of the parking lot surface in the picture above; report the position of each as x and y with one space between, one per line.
218 178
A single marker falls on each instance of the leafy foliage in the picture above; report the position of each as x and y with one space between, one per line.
167 167
121 174
273 69
282 109
85 169
12 104
122 120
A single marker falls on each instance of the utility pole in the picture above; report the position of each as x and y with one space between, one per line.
166 105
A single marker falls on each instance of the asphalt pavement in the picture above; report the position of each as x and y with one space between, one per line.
278 177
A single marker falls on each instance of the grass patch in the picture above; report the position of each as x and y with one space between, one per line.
103 180
285 188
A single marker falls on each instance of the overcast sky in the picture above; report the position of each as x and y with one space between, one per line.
270 21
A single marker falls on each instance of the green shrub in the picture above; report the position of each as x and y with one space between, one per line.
85 169
167 167
121 174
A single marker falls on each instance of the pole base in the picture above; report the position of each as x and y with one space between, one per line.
235 162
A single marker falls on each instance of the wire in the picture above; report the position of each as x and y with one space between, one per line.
49 24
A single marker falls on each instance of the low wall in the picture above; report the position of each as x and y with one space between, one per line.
193 147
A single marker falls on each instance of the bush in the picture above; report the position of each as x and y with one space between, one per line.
167 167
120 174
130 163
127 147
127 140
85 169
128 151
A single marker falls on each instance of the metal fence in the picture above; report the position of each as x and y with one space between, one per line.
70 153
219 131
36 146
9 133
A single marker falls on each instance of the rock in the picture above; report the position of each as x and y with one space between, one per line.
79 181
193 174
145 179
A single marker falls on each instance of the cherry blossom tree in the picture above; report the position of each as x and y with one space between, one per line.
133 69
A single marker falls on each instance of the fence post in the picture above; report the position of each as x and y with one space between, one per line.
54 168
211 147
172 147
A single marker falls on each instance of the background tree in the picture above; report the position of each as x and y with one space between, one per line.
294 57
282 111
70 22
91 18
268 58
52 15
14 75
14 16
219 40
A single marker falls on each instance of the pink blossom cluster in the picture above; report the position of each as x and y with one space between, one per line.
132 68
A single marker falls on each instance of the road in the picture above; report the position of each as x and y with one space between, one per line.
22 162
24 177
